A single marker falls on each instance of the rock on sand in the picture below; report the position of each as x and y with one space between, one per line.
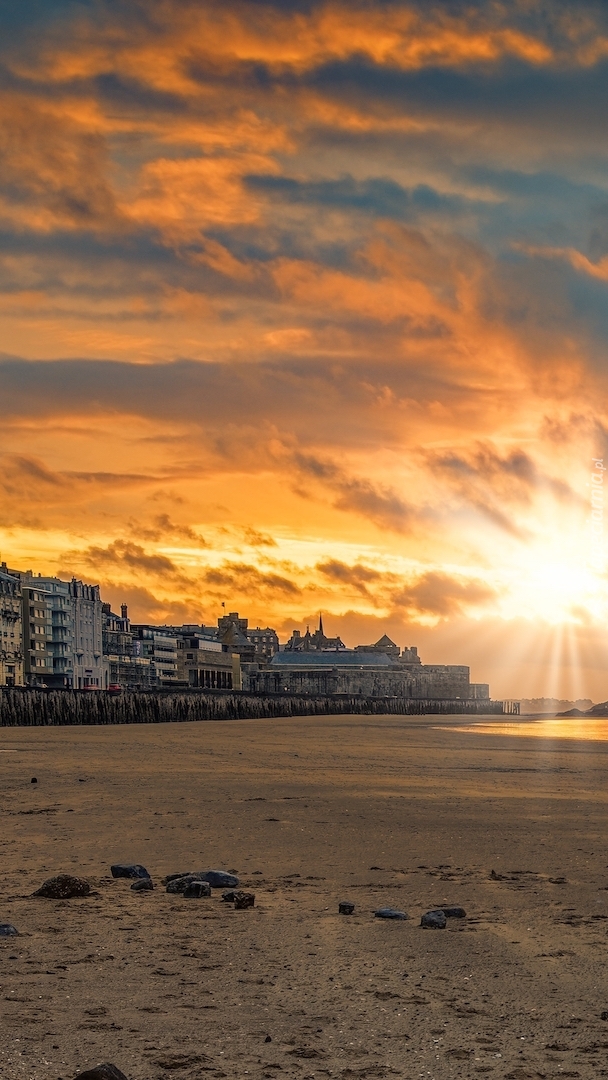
63 887
390 913
433 920
102 1072
129 870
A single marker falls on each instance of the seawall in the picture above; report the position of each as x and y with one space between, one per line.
41 708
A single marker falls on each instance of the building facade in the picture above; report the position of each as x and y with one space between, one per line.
157 644
206 664
123 667
37 636
74 639
352 671
252 645
87 611
11 630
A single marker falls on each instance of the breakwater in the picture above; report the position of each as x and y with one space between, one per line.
42 708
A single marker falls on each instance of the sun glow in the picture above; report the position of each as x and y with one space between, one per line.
556 589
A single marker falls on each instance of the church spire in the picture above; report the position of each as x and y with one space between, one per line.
320 623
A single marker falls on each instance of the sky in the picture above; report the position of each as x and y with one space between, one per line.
303 307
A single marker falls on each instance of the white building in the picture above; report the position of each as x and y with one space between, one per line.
76 636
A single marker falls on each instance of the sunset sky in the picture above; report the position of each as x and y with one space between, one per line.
304 307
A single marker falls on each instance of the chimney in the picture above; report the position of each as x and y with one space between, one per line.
124 611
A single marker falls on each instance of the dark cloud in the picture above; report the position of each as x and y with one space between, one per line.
494 484
162 528
380 503
378 196
255 538
125 554
442 595
364 579
246 579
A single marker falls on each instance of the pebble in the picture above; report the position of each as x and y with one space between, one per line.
8 930
63 887
345 907
243 900
144 884
390 913
453 912
604 1015
34 780
197 889
102 1072
434 920
129 870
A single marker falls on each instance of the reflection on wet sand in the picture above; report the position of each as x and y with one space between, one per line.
552 728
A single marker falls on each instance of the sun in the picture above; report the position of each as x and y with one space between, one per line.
554 583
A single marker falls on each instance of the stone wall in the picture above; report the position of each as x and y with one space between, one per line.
426 682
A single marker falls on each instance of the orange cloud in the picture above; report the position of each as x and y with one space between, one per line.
158 53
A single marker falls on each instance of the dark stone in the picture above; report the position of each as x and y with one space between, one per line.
180 884
243 900
34 780
63 887
174 877
129 870
197 889
102 1072
390 913
144 884
345 907
453 912
268 1039
220 879
604 1015
217 879
433 920
8 930
228 896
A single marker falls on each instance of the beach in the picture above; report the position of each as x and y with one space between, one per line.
407 812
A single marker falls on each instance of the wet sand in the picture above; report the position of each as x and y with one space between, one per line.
407 812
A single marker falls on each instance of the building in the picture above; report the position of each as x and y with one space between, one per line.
205 663
37 636
384 645
372 673
11 630
265 643
253 646
158 644
61 644
75 639
123 667
87 610
316 642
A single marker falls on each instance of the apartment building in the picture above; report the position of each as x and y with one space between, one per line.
11 630
37 636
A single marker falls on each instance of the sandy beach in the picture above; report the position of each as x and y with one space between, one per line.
406 812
